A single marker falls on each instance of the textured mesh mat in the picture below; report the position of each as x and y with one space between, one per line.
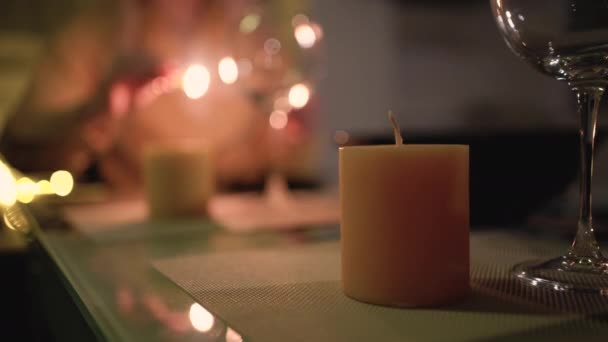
294 295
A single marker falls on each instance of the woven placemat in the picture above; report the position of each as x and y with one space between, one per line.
294 294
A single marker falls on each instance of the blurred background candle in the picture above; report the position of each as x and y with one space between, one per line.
178 180
91 83
405 223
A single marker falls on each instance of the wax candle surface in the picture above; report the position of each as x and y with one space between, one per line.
405 223
178 180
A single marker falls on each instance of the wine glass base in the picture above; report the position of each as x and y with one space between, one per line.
566 273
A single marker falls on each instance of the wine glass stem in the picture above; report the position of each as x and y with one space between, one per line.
588 99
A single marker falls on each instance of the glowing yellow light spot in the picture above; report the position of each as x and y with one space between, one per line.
195 81
341 137
305 36
299 95
201 319
250 23
62 182
26 190
278 119
45 187
8 187
228 70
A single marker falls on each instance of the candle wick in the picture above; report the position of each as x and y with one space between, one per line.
395 124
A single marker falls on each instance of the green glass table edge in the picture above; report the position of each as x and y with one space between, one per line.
96 320
98 315
30 229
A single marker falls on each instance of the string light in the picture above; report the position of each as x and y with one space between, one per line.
26 190
45 187
278 119
195 81
62 183
8 192
299 95
299 19
305 36
228 70
250 23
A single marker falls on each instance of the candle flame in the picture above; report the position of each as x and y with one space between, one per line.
396 130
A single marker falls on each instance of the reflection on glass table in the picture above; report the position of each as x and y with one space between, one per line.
109 272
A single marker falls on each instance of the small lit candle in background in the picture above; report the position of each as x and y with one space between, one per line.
405 223
178 179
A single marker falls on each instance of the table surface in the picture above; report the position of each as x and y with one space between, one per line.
109 271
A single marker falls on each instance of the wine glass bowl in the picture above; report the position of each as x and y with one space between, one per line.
567 40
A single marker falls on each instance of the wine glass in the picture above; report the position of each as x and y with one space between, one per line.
284 48
568 40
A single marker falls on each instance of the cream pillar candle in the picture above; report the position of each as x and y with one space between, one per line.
405 223
178 180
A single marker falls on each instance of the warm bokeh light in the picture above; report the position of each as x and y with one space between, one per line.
201 319
278 119
26 190
305 36
8 188
272 46
228 70
318 31
45 187
250 23
120 99
282 103
299 95
233 336
195 81
341 137
62 182
245 67
299 19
